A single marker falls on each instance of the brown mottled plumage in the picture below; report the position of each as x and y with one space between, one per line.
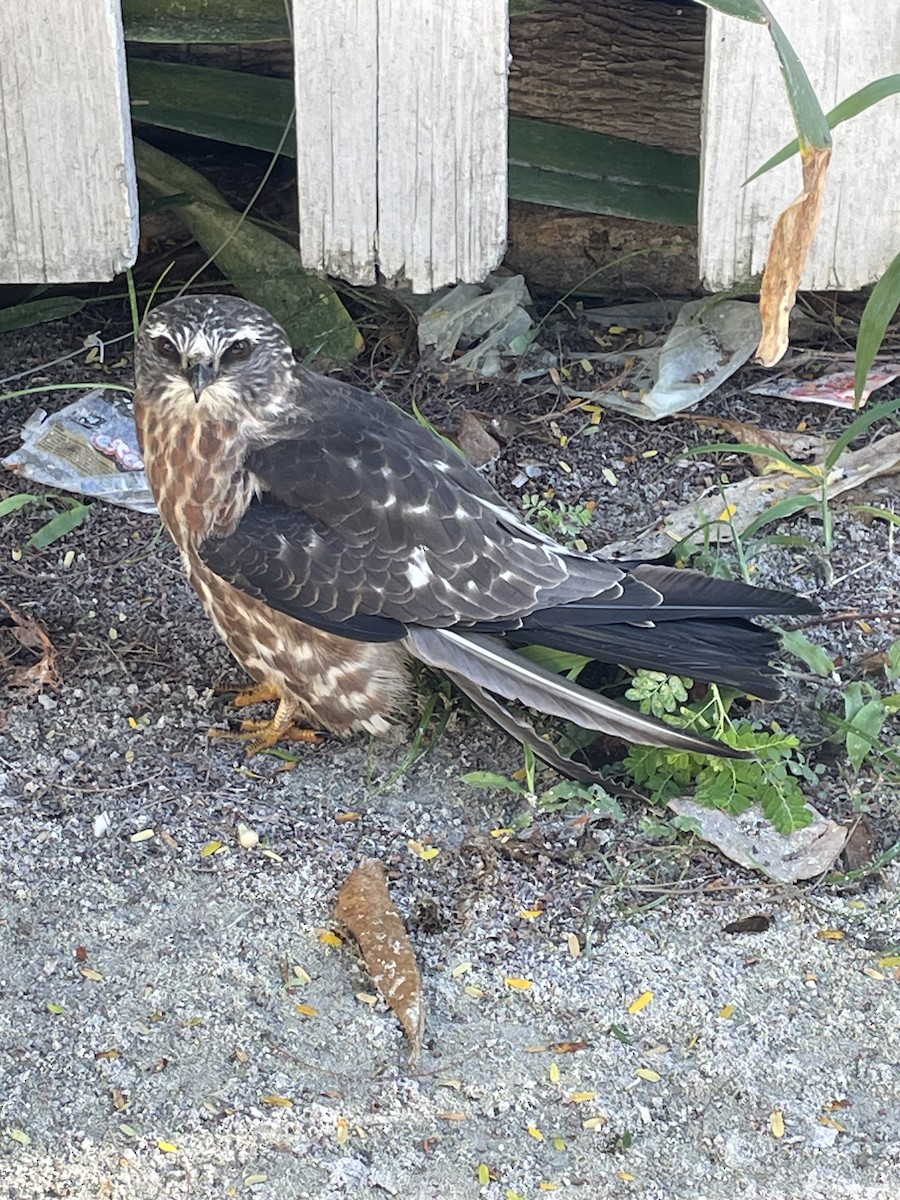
331 538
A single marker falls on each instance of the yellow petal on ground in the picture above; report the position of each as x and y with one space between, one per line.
307 1010
830 935
328 938
531 914
342 1131
517 983
553 1072
90 973
727 512
727 1011
278 1101
580 1097
211 848
627 1176
535 1133
596 1122
143 835
640 1003
648 1074
167 1147
776 1123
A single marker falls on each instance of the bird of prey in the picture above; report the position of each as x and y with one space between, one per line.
332 538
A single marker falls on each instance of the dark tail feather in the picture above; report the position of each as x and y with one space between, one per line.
734 652
699 628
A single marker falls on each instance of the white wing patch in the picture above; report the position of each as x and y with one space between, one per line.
419 573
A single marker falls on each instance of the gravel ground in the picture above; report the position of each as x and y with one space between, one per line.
150 1047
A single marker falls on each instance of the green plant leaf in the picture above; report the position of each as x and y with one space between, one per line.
871 94
877 315
563 662
892 661
229 106
814 656
858 427
36 312
864 716
592 172
59 526
261 266
230 21
786 807
746 10
811 123
13 503
778 512
490 779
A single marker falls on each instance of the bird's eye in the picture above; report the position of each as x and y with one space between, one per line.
166 348
237 351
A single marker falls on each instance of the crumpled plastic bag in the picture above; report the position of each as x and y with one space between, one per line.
489 324
90 448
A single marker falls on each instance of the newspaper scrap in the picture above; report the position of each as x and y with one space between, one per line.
89 448
836 389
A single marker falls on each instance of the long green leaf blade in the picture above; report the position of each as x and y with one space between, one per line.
590 172
871 94
877 315
228 106
59 526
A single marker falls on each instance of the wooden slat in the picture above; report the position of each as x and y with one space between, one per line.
747 118
401 134
68 200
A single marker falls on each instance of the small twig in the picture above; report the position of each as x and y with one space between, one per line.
840 618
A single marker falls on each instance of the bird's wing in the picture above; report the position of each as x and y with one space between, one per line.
364 516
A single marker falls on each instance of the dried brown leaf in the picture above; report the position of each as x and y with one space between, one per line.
859 849
476 443
788 251
28 658
364 905
799 446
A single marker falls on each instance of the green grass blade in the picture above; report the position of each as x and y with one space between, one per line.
59 526
812 125
877 315
778 512
871 94
13 503
886 409
35 312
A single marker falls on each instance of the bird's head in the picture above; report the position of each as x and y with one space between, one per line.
217 355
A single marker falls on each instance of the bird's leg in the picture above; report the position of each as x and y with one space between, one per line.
262 735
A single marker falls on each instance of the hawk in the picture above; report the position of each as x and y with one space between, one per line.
332 539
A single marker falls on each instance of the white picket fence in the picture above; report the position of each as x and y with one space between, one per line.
401 132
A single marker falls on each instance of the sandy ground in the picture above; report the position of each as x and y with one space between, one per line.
150 1046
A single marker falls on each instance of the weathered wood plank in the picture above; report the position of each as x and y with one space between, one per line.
747 118
401 133
68 199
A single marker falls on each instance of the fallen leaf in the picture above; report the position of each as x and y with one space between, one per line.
28 658
479 446
364 904
640 1003
792 237
758 923
862 840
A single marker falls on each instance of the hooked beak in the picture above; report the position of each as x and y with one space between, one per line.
200 375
